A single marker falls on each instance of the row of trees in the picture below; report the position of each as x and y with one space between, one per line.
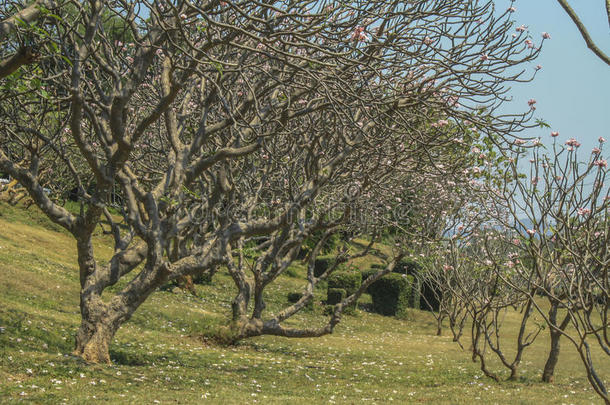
224 122
198 130
541 248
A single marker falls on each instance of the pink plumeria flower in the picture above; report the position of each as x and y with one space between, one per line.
601 139
583 211
529 43
573 142
546 35
359 34
531 102
520 141
484 57
596 151
601 163
511 9
521 28
531 232
555 134
538 67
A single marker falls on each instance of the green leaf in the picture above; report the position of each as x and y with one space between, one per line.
541 123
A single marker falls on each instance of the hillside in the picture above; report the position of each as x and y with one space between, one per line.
160 356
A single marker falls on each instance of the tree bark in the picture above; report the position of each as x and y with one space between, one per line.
548 375
25 56
96 331
439 326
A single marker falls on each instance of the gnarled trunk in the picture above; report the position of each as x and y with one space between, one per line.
97 328
100 320
93 340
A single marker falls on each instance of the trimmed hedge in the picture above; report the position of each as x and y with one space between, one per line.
368 273
407 266
203 278
321 265
293 297
350 281
392 294
429 300
303 252
335 295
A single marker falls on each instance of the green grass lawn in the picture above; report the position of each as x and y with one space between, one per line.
160 356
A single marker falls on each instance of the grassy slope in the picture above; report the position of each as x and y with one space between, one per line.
159 357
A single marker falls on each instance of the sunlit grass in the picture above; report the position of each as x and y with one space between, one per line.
159 355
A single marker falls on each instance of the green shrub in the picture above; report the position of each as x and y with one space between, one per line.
416 293
203 278
329 245
350 281
391 294
366 274
292 272
429 296
321 265
378 266
303 252
293 297
335 295
407 266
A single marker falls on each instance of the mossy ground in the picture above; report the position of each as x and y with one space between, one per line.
160 356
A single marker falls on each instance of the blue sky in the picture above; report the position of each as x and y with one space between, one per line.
573 87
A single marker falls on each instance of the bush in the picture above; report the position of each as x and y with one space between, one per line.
292 272
329 245
416 293
293 297
321 265
407 266
350 281
203 278
392 294
429 296
378 266
368 273
335 295
303 252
